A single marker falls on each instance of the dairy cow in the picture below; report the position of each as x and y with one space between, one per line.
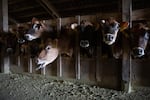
111 36
8 42
139 40
87 38
46 49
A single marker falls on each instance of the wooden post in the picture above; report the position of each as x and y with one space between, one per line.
126 61
59 61
98 58
30 65
4 27
19 61
77 57
6 64
43 71
4 15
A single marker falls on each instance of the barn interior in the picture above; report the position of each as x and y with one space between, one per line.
123 74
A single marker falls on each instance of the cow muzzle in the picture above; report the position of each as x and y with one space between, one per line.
29 37
84 43
109 39
138 52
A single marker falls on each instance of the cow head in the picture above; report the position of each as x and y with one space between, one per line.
36 30
110 29
139 39
48 54
87 38
8 42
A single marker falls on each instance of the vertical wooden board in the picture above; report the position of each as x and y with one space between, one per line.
141 72
51 69
0 63
4 15
111 73
14 68
88 66
68 67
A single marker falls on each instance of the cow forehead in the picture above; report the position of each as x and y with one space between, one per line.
111 27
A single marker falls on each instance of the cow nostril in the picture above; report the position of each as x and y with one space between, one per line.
140 51
27 37
108 37
111 38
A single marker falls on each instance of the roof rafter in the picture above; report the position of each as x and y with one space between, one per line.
49 8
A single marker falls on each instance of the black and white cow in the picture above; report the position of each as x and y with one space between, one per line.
139 40
87 38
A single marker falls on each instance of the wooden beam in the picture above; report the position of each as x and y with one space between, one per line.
14 1
141 14
12 20
4 15
31 15
23 8
126 60
49 8
87 6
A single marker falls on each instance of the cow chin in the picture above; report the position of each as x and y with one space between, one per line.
138 52
109 42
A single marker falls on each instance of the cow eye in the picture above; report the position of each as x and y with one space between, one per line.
36 26
48 47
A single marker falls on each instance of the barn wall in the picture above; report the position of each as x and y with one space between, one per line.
141 72
106 74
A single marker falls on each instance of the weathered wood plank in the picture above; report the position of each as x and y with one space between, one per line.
126 67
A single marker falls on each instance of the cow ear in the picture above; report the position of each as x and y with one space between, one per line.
34 20
123 26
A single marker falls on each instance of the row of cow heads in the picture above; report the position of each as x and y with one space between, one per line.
138 35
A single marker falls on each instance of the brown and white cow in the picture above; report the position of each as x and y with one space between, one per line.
66 41
111 33
139 40
49 53
49 38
